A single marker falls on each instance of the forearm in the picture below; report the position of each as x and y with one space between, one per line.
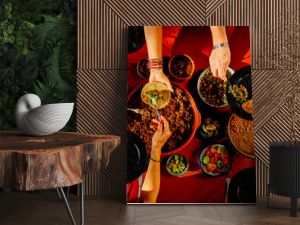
218 34
153 36
151 184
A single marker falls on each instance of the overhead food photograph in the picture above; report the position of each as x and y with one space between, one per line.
189 109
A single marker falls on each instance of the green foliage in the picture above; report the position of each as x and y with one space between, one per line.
7 119
7 26
15 31
37 53
17 71
57 71
33 10
54 43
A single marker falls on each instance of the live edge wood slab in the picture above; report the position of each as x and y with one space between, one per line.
58 160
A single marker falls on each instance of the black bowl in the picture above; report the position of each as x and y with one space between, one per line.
240 77
181 67
137 157
242 187
221 130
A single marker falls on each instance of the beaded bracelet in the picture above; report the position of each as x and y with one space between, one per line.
155 160
155 63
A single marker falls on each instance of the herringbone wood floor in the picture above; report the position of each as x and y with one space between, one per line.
46 209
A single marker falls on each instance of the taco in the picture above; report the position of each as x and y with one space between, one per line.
156 94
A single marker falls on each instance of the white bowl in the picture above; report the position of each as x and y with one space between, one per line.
40 120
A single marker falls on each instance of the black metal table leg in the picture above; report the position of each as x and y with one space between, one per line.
293 211
268 198
81 203
62 195
67 195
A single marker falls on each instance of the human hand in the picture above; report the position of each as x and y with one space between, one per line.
219 61
162 133
159 76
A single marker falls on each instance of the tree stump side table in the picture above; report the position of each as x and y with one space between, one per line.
55 161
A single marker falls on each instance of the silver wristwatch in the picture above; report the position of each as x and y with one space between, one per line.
221 45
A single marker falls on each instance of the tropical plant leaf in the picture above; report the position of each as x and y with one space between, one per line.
41 89
49 33
67 59
57 66
45 92
57 62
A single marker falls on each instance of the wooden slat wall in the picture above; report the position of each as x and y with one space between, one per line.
102 70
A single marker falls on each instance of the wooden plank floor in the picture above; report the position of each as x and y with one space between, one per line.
45 209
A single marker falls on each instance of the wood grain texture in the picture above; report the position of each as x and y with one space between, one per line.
277 128
102 49
297 116
57 160
101 37
267 103
272 115
212 5
267 20
50 169
165 13
102 109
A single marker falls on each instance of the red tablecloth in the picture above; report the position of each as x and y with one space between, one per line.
197 43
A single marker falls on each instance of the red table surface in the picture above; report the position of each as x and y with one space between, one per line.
197 43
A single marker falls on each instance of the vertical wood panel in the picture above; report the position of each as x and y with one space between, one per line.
262 178
101 37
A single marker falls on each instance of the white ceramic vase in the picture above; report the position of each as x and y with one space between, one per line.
40 120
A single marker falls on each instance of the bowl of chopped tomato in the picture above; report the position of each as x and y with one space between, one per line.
215 160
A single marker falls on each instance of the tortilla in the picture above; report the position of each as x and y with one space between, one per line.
158 89
248 106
